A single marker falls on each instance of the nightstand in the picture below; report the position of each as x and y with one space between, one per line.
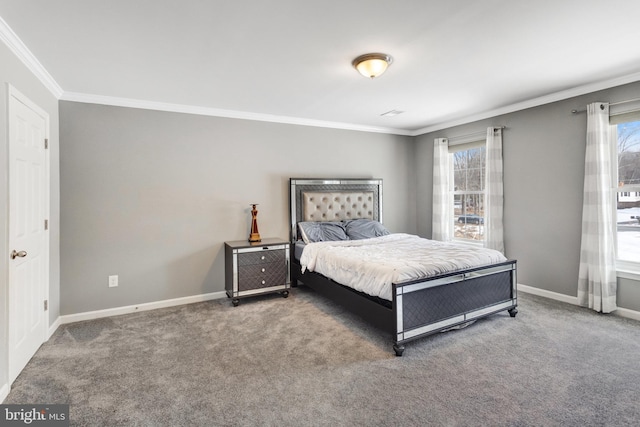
256 268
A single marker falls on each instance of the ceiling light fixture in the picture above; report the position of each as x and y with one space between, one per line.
372 64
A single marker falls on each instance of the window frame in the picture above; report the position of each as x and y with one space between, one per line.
455 148
624 268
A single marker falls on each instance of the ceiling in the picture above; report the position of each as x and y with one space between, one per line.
290 60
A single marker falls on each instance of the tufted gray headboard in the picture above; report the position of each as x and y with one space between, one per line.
333 200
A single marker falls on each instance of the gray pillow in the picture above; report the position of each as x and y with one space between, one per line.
322 231
364 229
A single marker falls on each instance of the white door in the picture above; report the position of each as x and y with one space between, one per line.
28 237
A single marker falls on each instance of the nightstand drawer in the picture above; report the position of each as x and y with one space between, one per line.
262 270
265 256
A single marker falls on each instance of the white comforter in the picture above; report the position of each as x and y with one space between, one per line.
372 265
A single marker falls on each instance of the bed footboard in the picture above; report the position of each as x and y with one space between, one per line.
427 306
424 307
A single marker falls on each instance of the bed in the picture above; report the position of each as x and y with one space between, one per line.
411 308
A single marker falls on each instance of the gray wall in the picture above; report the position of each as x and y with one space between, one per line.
151 196
543 151
14 72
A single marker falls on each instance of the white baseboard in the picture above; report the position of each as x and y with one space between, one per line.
53 327
622 312
547 294
630 314
4 392
90 315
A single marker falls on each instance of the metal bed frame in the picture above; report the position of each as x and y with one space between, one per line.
419 307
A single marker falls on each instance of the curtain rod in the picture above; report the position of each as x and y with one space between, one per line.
474 134
611 103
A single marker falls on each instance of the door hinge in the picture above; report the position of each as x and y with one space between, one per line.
46 305
46 143
46 224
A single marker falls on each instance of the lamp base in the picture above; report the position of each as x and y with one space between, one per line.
255 237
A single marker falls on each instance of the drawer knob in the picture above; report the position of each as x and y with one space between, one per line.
263 282
263 270
262 257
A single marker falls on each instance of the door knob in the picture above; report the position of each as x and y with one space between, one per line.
20 254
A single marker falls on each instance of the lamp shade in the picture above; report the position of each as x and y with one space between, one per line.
372 64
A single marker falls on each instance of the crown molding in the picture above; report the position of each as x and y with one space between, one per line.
535 102
13 42
216 112
19 49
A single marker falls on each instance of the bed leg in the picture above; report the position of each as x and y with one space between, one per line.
399 349
513 311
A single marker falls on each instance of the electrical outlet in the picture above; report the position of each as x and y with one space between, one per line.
113 281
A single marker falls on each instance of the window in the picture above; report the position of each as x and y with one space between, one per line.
468 192
628 195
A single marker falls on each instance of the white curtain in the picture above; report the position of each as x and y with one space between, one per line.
493 230
442 203
597 275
